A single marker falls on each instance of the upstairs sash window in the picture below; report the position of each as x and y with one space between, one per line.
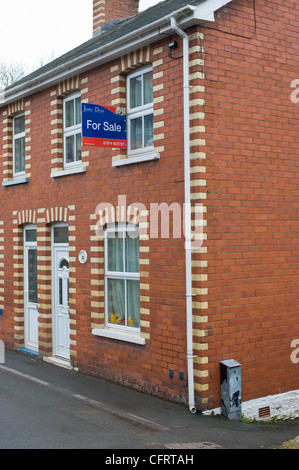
19 145
72 126
140 111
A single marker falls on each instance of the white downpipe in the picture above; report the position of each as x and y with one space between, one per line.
190 356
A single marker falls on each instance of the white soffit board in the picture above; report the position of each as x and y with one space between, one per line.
206 10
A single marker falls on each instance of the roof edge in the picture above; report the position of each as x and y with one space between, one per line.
186 16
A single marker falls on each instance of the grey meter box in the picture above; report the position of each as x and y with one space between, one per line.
231 399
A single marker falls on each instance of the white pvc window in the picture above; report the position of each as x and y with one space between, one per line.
140 111
19 145
30 255
72 130
122 277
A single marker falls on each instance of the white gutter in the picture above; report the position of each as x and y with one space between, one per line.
187 213
115 49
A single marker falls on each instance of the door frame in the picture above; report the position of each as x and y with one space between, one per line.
54 247
26 247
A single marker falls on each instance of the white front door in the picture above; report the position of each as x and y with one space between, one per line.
61 304
61 319
30 289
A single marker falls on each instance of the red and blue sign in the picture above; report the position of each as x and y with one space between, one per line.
103 126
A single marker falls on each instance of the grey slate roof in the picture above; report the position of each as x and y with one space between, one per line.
121 29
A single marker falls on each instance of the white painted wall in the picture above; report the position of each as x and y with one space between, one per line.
282 406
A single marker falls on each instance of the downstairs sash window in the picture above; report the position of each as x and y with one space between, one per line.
122 276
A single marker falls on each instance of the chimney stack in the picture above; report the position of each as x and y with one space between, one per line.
108 11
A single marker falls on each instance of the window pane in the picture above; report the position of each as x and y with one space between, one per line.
78 110
116 301
78 147
115 253
70 149
149 130
64 264
136 133
133 303
148 96
19 124
60 292
19 155
136 91
132 252
32 275
30 235
69 113
61 235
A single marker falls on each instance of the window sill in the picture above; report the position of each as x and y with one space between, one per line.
121 336
68 171
16 181
138 159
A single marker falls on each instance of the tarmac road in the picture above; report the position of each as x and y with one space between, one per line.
43 406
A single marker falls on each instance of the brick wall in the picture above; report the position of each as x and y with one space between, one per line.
252 188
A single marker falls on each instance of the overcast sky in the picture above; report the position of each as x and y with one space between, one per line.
31 30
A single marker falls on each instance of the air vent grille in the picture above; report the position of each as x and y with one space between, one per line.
264 412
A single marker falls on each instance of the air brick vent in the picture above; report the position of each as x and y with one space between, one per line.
264 412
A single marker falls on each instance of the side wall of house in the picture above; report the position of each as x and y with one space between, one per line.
251 150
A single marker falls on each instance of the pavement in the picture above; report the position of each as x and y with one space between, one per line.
168 425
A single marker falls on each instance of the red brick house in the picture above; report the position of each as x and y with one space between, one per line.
150 264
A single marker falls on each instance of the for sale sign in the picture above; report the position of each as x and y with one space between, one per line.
103 126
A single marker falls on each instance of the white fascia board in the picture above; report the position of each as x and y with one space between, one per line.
186 17
206 10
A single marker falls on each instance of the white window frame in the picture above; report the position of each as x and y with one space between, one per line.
140 111
113 228
71 131
29 304
20 135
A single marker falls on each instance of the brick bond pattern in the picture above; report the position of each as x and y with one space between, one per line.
105 12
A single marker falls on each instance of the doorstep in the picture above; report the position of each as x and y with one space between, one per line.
57 361
29 351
